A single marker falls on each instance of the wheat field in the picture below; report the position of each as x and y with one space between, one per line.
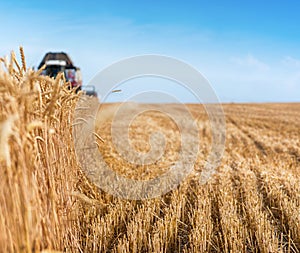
252 203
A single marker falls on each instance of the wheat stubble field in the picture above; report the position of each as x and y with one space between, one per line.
252 204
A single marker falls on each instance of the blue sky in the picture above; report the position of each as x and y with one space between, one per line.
248 50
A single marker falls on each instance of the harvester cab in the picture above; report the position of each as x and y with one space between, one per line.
60 62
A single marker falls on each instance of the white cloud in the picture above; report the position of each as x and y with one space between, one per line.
291 62
251 62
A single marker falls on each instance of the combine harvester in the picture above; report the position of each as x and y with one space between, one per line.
58 62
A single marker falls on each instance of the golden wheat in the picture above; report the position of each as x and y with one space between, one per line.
47 204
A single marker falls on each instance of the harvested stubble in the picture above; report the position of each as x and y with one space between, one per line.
251 205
